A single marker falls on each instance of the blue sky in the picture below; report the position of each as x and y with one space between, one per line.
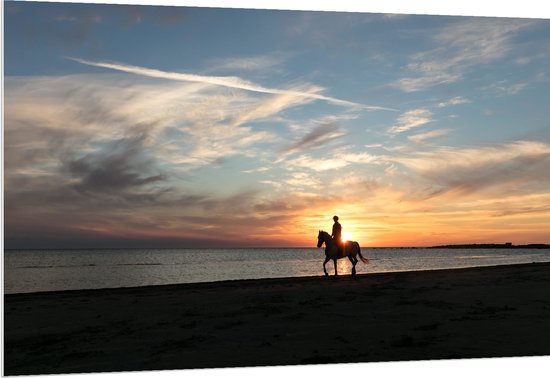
173 126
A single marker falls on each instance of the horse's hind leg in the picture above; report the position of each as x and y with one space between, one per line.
335 268
324 268
353 261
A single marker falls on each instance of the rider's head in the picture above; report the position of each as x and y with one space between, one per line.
335 218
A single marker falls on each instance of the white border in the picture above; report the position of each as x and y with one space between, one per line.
502 8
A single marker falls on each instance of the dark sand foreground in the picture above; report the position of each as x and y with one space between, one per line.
464 313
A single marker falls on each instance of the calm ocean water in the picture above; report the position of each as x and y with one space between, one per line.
51 270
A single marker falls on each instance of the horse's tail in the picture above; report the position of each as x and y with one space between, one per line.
366 261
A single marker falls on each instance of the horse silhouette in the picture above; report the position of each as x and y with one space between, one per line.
351 250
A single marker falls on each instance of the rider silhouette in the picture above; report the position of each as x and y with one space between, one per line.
337 233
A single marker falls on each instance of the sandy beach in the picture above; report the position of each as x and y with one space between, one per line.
463 313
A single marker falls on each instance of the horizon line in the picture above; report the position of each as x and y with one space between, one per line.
293 247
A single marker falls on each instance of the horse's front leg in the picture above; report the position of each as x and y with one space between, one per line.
335 267
324 268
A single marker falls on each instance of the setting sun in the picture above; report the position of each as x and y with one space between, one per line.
346 236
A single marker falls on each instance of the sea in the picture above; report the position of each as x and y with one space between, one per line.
27 271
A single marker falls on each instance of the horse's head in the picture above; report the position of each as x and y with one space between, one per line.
320 239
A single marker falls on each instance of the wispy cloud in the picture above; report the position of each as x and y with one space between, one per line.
430 134
249 63
267 107
301 179
121 169
418 83
224 81
505 88
458 100
339 160
459 47
411 119
508 167
260 169
315 138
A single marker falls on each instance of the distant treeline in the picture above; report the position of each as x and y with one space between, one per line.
492 246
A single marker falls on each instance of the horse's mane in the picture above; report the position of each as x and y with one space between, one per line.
324 232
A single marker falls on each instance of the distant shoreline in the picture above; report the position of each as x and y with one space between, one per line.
491 246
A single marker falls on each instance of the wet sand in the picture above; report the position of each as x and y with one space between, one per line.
480 312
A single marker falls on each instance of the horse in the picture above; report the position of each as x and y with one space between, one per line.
351 250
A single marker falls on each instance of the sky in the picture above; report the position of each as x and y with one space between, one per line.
154 126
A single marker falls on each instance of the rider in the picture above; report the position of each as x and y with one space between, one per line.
337 233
